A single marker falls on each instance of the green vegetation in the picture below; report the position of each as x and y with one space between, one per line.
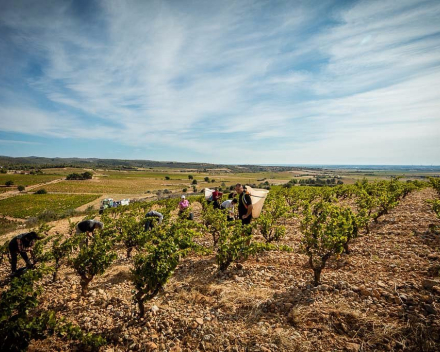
22 320
7 225
34 204
27 180
326 229
93 260
84 176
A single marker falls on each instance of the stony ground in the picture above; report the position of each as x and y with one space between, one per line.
384 296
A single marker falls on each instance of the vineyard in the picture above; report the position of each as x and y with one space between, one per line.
351 267
33 204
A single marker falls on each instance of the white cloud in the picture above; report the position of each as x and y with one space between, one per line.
197 76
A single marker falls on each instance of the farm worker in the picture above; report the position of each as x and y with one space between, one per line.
232 195
183 206
244 204
229 204
20 245
215 198
87 227
149 222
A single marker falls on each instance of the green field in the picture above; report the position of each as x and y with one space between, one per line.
24 206
25 180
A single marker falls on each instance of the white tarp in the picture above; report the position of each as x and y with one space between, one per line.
258 196
208 193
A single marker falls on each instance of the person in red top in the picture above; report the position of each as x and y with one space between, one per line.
216 196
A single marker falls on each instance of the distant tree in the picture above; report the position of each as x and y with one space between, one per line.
167 177
87 175
190 177
212 180
194 182
41 191
206 179
3 171
184 190
21 188
84 176
9 183
194 189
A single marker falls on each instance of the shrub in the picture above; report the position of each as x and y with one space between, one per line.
32 221
194 182
93 260
21 322
84 176
167 177
184 190
234 243
47 215
21 188
151 271
41 191
206 179
87 175
190 177
9 183
268 222
326 229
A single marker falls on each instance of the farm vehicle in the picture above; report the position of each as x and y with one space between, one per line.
110 203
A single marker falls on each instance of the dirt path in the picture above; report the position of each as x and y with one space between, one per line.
10 194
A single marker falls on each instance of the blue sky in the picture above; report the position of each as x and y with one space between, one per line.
261 82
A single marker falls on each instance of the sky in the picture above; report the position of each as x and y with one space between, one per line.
235 82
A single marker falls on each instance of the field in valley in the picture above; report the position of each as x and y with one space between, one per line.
383 295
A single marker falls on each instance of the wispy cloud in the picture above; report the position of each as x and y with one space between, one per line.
252 81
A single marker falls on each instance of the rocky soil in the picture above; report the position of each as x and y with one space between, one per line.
384 296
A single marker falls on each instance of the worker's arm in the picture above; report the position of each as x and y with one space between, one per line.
249 211
20 245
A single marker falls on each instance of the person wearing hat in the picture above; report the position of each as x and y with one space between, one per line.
183 206
22 244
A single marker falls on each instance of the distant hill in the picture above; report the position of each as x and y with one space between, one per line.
40 162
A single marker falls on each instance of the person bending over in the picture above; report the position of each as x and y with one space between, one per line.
87 227
149 223
229 205
22 244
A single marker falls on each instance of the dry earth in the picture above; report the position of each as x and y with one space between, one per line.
384 296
